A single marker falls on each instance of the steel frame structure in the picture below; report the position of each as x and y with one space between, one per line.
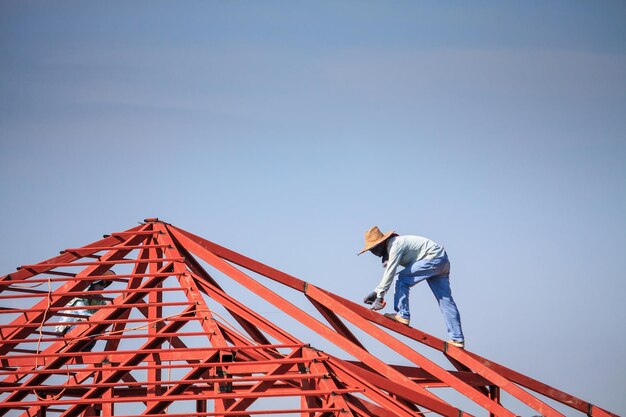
162 347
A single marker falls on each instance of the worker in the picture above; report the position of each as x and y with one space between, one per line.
422 259
91 300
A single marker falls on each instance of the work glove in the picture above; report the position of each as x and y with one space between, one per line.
370 298
379 304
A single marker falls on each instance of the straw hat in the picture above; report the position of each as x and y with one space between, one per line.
374 236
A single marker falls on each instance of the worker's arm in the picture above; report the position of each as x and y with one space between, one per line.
395 251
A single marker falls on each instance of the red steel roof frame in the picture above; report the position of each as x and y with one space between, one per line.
260 360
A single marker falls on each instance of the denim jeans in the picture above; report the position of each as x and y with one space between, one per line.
437 273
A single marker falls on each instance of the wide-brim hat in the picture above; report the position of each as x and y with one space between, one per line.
374 237
104 282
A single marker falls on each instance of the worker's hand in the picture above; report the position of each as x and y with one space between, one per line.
379 304
370 298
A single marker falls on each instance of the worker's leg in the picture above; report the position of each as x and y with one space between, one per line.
440 285
401 295
413 274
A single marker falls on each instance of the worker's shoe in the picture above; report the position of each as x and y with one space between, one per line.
457 343
395 317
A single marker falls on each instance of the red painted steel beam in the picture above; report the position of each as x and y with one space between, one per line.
438 344
241 260
54 323
77 285
82 403
193 294
146 352
25 290
332 383
118 371
98 263
23 274
114 355
237 338
255 266
165 399
132 284
354 310
411 332
595 411
94 307
363 408
203 278
248 412
200 250
404 350
248 314
216 338
172 326
82 294
140 384
263 386
502 383
93 329
91 278
252 330
180 247
374 393
75 391
419 375
540 387
129 233
336 323
90 250
460 367
381 382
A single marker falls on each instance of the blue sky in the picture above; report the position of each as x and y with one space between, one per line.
284 130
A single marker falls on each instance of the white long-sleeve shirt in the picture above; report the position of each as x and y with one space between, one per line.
78 302
404 250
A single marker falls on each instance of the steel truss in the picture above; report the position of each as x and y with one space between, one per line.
163 348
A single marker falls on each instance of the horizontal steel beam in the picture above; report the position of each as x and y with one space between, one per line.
89 294
72 277
93 307
63 371
317 411
118 247
112 263
208 350
218 396
168 382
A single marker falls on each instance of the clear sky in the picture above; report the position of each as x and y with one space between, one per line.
284 130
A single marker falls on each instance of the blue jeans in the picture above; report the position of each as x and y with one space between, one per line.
437 273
